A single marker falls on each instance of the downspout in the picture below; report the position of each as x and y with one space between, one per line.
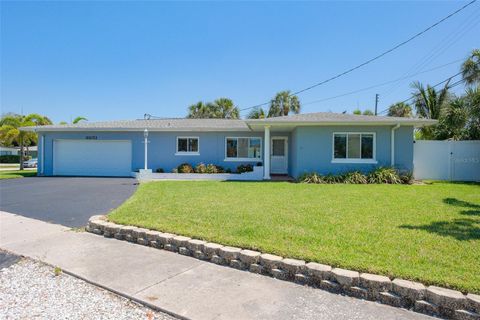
392 147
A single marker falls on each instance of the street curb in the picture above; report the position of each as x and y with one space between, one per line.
431 300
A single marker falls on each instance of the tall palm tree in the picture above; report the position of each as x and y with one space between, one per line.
10 134
429 103
400 109
198 110
283 103
471 68
224 108
256 113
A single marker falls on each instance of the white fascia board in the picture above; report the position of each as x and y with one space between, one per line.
39 129
415 123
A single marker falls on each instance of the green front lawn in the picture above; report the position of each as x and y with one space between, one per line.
429 233
14 174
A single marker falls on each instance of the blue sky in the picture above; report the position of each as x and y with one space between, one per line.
119 60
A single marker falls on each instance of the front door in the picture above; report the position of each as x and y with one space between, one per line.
279 155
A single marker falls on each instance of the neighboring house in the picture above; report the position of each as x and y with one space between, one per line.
15 151
321 142
31 151
8 151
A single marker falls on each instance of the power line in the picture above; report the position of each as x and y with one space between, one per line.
469 23
374 58
381 84
434 86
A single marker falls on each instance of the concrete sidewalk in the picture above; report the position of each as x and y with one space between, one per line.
180 285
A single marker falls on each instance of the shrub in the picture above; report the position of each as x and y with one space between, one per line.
10 158
406 177
211 168
174 170
185 168
379 175
259 164
244 168
228 170
331 178
160 170
201 168
384 175
312 178
355 177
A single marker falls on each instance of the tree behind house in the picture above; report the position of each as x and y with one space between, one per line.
429 103
471 68
222 108
400 109
283 103
10 134
256 113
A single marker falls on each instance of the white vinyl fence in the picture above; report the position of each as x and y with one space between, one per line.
447 160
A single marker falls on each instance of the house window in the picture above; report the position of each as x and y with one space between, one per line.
187 146
238 149
354 147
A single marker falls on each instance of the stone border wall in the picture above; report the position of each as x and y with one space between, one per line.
430 300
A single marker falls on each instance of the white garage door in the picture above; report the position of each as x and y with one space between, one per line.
92 158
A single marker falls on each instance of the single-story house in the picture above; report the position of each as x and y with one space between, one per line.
323 142
15 151
8 151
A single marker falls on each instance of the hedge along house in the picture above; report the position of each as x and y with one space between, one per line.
292 145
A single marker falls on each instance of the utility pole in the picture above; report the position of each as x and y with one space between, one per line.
376 103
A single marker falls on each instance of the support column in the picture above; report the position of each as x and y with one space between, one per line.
266 154
41 149
145 135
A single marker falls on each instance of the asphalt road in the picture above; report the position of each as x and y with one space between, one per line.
69 201
7 259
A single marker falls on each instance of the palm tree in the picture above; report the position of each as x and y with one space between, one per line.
198 110
453 120
256 113
283 103
471 68
10 134
78 119
472 97
429 103
400 109
224 108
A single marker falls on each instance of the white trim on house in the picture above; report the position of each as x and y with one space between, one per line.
233 159
42 158
355 160
188 153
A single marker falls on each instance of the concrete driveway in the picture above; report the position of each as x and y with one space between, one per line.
69 201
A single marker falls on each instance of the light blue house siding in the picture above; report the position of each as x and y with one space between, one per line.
310 148
161 148
313 149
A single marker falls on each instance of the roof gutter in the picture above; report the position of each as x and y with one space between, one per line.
392 146
415 123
